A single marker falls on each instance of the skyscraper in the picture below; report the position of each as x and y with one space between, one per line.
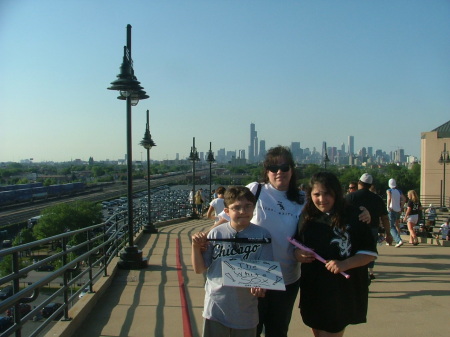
296 151
262 149
253 144
351 145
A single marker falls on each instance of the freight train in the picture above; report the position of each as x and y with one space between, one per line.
36 191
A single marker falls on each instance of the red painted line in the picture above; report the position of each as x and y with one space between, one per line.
187 327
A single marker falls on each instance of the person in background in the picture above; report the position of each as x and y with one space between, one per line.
445 230
198 200
395 202
302 191
413 210
352 187
431 218
330 227
217 205
191 197
376 207
230 311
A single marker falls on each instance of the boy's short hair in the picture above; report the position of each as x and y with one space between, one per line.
220 190
235 193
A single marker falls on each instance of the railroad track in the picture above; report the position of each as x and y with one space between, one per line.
20 215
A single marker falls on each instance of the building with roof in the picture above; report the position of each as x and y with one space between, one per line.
434 176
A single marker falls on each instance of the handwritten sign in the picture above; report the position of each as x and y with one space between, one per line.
252 273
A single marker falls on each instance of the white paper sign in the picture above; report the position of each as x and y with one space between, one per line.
252 273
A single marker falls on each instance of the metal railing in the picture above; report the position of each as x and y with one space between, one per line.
76 267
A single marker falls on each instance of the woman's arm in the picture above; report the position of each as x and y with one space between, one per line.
364 216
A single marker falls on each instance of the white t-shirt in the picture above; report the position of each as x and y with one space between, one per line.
218 205
280 217
395 200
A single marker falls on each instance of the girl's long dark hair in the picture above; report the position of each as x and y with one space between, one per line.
333 186
271 158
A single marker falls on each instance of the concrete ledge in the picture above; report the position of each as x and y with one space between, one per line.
422 240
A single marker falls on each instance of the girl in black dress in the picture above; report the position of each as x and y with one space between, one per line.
330 227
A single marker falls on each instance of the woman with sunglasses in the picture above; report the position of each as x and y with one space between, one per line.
278 210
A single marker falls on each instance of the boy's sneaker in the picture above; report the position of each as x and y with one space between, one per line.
400 243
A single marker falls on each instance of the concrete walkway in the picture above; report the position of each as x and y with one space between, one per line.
410 296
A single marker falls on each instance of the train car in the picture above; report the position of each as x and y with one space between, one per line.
19 187
79 187
54 190
24 195
7 197
39 192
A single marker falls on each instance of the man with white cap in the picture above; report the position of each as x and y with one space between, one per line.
376 207
395 202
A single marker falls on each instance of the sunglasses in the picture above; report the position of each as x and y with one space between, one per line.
352 187
275 168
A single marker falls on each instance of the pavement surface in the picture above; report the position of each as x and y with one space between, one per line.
409 297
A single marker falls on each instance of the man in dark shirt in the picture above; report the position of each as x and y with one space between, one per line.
376 207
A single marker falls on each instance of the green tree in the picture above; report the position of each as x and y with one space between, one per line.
24 236
67 216
97 171
348 174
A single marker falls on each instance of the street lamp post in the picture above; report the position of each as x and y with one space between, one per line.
444 159
193 156
147 142
326 159
210 159
130 91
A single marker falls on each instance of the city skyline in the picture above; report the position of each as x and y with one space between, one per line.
302 71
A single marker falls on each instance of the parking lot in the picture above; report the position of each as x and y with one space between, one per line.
166 203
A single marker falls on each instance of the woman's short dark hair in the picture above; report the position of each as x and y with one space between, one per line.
271 158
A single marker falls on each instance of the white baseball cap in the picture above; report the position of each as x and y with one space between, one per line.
392 183
366 178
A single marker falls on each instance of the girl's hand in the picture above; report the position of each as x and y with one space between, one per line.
335 266
258 292
303 256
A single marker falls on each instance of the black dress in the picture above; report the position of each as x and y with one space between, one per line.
329 301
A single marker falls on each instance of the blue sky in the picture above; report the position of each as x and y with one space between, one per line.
307 71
